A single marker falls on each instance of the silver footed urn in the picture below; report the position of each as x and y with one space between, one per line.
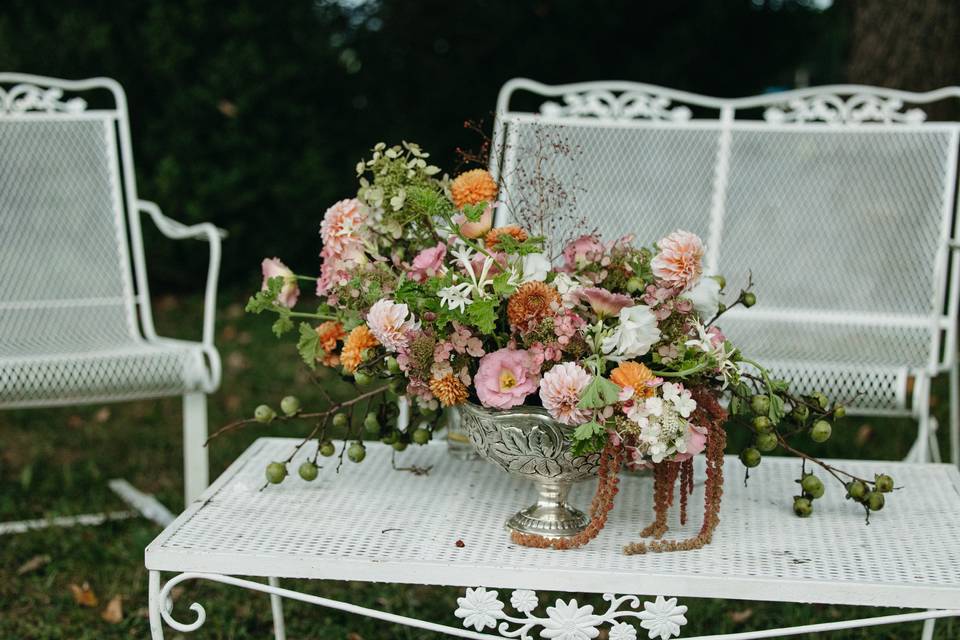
527 443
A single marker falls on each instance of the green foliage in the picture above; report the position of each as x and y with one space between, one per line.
599 393
588 438
482 314
263 300
308 346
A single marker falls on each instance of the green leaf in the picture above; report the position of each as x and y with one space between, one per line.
598 394
483 315
282 325
502 286
776 412
308 346
473 212
264 299
587 430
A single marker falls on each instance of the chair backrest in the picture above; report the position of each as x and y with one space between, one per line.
841 200
66 197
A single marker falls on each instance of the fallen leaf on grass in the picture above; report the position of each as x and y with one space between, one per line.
84 595
113 613
33 564
102 415
864 433
74 421
739 617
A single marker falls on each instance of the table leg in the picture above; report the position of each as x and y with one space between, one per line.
276 605
928 629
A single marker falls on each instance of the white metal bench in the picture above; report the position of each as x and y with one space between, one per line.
840 199
75 320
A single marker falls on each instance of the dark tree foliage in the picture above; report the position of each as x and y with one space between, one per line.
253 114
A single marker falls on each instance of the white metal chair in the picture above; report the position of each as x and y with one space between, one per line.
841 200
75 320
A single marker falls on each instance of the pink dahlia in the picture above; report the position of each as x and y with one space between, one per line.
679 263
391 323
560 392
505 378
428 263
584 249
273 268
604 303
341 230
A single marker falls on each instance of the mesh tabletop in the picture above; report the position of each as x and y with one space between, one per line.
373 523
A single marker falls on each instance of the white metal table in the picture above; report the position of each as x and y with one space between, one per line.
373 523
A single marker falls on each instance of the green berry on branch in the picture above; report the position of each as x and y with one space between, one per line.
720 281
875 500
420 436
372 424
883 483
362 378
766 442
340 420
857 490
308 471
839 411
750 457
803 507
357 452
800 413
290 405
327 449
812 485
264 414
391 437
392 365
820 431
399 445
276 472
762 424
822 401
748 299
760 404
366 355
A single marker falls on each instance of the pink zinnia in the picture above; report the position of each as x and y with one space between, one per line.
679 263
428 263
391 323
560 392
341 228
584 249
273 268
604 303
505 378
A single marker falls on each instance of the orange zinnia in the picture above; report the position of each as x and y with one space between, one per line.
358 340
532 302
493 236
634 375
473 187
449 390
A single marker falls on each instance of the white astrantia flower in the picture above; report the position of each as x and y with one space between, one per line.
663 618
705 298
456 296
567 621
478 282
535 267
479 608
634 334
524 600
723 357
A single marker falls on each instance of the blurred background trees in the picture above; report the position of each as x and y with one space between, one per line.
253 115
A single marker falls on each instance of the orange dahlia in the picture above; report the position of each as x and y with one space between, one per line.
634 375
449 390
532 302
328 334
493 236
473 187
358 340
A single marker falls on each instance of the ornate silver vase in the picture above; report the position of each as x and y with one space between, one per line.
526 442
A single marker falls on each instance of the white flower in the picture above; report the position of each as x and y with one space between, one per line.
535 267
524 600
622 631
567 621
663 618
477 282
636 332
456 296
390 322
479 608
567 287
680 398
705 298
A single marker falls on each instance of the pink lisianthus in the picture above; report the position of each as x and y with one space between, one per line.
678 265
584 249
505 378
274 268
476 229
391 324
560 392
428 263
604 303
341 230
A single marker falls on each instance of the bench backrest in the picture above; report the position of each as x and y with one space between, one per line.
66 197
841 200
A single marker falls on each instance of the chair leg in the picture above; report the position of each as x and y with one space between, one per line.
276 606
196 466
920 451
927 633
955 413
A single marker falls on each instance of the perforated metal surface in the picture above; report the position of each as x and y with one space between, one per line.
69 328
376 524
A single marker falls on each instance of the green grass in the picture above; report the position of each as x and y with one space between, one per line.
57 462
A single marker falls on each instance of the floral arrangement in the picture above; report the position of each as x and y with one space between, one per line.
418 295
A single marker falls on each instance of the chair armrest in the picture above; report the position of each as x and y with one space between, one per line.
203 231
